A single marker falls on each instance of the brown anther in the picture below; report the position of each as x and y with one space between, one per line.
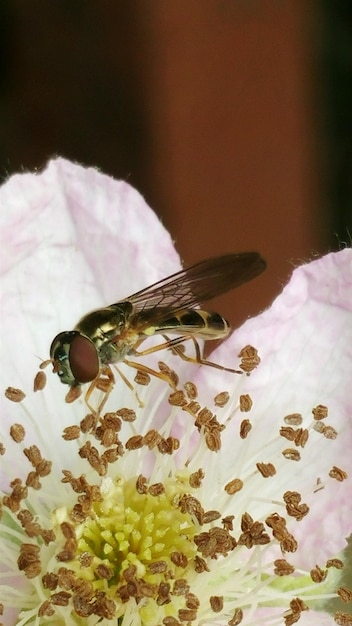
81 606
249 359
294 419
111 455
141 484
233 486
190 504
17 432
301 437
135 442
210 516
213 440
246 403
343 619
61 598
338 473
203 417
187 615
68 552
283 568
25 516
157 567
147 590
33 455
142 378
19 492
170 621
71 432
48 536
179 559
296 608
169 445
192 407
164 597
320 412
227 522
328 431
15 395
2 449
44 468
237 618
298 435
195 479
337 563
109 438
68 530
50 581
217 541
152 438
104 571
192 602
266 469
39 381
292 500
32 529
169 373
156 489
318 575
46 610
177 398
88 423
245 428
28 560
216 603
112 420
127 415
85 559
278 524
181 587
222 398
291 454
200 565
345 594
191 390
33 481
253 532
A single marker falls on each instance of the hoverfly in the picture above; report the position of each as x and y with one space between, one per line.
107 336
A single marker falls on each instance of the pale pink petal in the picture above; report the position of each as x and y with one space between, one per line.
72 239
305 343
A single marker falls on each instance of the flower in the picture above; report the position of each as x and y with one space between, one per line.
223 501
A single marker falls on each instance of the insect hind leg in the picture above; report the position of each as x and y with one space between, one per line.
177 349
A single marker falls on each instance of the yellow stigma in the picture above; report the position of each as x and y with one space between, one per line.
135 544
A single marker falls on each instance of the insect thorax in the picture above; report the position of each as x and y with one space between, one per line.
108 329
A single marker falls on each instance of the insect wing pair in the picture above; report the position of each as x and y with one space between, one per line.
107 336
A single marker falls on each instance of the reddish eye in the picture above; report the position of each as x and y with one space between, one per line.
84 360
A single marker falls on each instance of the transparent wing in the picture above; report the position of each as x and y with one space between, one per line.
196 284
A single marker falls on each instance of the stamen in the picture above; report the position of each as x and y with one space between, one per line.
39 381
14 394
137 531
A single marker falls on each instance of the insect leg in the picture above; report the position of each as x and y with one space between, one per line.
169 343
103 383
148 370
199 359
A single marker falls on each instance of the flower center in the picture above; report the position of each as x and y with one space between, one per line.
136 543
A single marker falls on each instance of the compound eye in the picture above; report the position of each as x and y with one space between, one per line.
83 359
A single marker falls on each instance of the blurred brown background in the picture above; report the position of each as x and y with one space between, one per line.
232 117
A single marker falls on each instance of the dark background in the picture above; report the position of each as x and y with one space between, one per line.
232 117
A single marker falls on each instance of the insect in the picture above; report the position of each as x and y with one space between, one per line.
108 335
